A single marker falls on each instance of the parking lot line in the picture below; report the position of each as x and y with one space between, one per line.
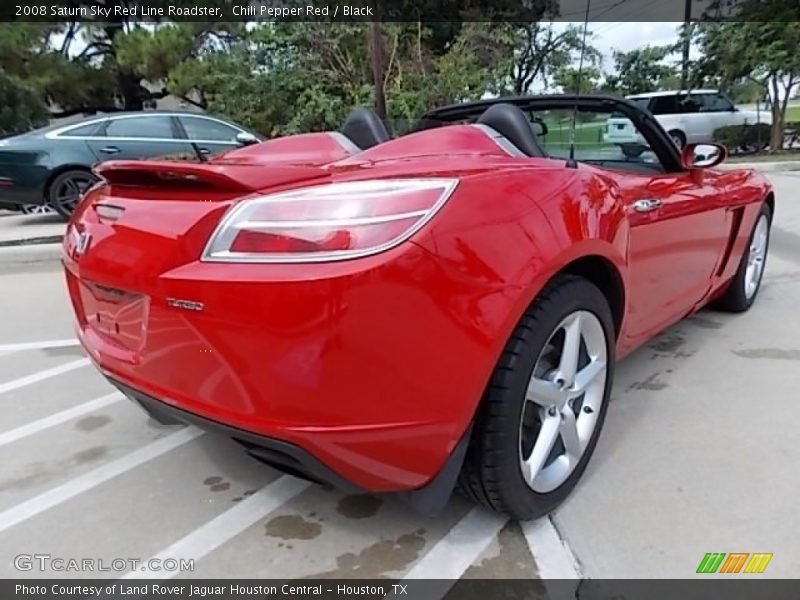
19 347
22 431
87 481
455 552
47 373
225 526
554 559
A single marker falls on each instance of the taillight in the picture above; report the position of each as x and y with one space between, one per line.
327 222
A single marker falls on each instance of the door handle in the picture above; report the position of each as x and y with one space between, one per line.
205 151
109 150
647 204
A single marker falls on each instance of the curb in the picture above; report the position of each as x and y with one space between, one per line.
35 241
30 254
767 167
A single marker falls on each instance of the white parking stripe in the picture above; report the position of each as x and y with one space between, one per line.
456 551
87 481
225 526
37 345
46 374
554 560
22 431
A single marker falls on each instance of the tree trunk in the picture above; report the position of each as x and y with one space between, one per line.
778 115
376 52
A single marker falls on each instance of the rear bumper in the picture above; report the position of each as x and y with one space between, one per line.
368 366
282 455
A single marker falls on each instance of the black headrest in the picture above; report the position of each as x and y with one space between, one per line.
364 128
510 122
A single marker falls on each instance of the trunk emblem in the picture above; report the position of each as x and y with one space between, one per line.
80 241
185 304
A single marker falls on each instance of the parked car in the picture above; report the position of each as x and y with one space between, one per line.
688 117
53 165
407 315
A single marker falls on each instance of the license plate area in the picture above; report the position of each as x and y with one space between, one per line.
116 315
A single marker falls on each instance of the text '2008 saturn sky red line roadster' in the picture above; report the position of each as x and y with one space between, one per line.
413 315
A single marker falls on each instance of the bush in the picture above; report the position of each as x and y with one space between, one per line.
743 138
21 109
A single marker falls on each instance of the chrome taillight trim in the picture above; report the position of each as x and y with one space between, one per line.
225 231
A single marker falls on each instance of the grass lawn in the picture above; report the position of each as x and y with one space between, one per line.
793 114
586 134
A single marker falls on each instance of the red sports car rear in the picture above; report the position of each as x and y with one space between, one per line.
361 318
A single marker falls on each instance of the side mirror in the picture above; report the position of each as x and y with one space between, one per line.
703 156
245 138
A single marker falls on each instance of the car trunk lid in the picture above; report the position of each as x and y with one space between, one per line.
144 220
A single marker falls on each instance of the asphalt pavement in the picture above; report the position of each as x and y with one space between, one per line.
698 455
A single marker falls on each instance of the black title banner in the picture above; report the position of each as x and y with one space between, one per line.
730 588
115 11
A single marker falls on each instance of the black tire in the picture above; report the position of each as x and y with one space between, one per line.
735 298
491 474
678 137
632 150
66 189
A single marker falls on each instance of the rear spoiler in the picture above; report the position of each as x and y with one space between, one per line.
222 177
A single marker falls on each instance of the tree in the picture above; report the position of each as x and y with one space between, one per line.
568 79
538 50
21 109
642 70
764 53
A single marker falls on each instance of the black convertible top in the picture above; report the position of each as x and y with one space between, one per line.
658 139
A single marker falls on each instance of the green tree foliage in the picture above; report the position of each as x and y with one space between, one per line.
21 109
642 70
284 77
573 82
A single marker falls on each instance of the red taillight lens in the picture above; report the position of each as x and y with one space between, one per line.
330 222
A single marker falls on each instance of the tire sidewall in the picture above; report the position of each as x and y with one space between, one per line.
521 498
764 212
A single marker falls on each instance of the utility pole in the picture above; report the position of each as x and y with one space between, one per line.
376 53
687 43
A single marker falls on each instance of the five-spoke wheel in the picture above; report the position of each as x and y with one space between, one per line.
67 189
540 417
564 398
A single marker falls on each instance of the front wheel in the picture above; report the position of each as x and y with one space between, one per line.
632 150
542 412
36 209
746 283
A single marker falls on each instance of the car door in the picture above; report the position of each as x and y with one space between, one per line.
209 136
139 136
676 238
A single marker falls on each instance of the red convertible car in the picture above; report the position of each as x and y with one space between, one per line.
411 315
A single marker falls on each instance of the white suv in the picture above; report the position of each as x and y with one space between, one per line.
688 117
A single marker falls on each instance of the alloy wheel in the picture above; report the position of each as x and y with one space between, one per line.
69 191
756 257
563 401
37 209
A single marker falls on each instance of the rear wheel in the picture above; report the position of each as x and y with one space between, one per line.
67 188
678 138
540 417
745 284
